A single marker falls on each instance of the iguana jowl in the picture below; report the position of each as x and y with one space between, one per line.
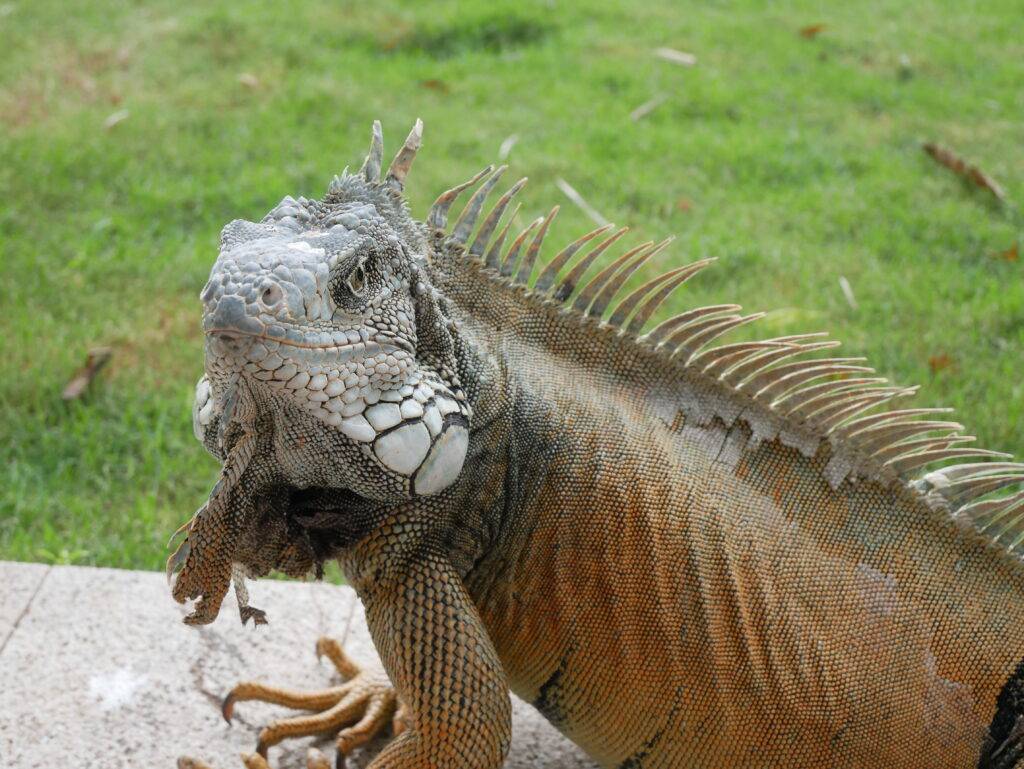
684 555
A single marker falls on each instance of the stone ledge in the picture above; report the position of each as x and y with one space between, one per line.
99 672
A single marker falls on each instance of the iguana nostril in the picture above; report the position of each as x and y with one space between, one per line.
271 295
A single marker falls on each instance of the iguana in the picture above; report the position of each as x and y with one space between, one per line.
683 554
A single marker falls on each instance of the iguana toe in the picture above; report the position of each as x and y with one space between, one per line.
357 710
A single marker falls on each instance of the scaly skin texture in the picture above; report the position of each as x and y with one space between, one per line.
683 556
668 600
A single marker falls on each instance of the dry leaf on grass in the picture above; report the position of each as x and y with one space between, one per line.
79 383
647 108
1012 254
583 205
963 169
847 290
115 118
506 146
812 30
940 362
433 84
682 58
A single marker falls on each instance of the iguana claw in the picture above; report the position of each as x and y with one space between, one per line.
258 616
245 611
357 710
227 706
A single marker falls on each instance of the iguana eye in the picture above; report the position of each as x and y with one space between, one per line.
351 289
356 280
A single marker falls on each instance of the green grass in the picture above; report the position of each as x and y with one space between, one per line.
794 160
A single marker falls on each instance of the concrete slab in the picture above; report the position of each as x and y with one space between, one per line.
18 584
98 671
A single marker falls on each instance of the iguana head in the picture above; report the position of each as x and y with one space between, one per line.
324 310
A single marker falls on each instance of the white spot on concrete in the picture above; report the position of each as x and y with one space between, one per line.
115 690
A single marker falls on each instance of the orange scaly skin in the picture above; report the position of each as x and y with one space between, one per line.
668 601
684 556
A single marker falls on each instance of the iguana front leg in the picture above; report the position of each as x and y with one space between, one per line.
206 556
437 654
439 657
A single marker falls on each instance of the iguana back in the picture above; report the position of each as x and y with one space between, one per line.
683 595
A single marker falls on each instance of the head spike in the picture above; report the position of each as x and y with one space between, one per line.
800 402
493 258
792 375
964 491
990 511
467 219
862 425
400 166
437 217
590 291
627 305
568 284
610 291
546 279
933 443
693 343
904 464
741 373
835 414
513 251
530 258
371 166
658 334
718 359
483 235
887 434
654 300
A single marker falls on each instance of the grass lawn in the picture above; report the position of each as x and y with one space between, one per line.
130 133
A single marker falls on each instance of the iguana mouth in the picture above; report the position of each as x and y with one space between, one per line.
386 344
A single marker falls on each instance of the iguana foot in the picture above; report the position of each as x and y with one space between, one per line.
314 760
357 710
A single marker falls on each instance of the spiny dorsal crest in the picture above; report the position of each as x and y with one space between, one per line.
836 398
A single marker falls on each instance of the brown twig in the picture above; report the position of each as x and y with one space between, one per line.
812 30
963 169
77 385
